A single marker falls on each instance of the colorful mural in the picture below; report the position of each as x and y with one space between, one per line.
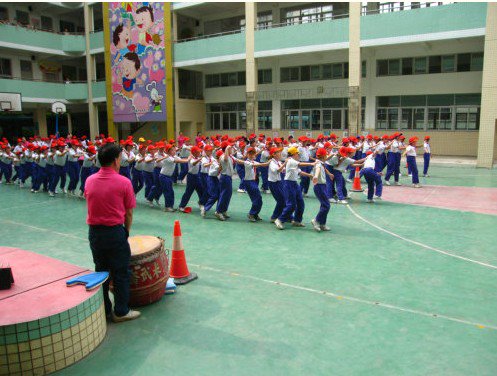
138 61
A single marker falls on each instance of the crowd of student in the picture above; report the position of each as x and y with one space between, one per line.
284 168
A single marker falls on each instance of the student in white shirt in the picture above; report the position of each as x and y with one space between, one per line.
137 179
426 156
305 155
411 160
240 170
394 158
169 161
225 182
275 183
373 177
88 168
212 183
148 172
60 158
192 178
319 180
72 165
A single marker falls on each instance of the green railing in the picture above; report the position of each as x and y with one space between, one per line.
97 40
98 89
202 49
46 90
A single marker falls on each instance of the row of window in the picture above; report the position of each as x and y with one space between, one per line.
318 72
387 7
264 76
42 23
430 64
233 116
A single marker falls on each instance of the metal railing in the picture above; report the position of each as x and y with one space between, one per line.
33 28
398 7
58 81
230 32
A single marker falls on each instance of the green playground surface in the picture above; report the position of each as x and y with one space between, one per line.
419 299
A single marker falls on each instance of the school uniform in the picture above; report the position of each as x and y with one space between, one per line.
426 158
156 191
59 171
264 170
137 179
330 184
41 175
338 171
148 174
294 203
375 184
183 167
204 177
393 161
166 179
87 169
357 156
380 158
16 163
49 168
125 169
7 160
411 160
240 170
276 187
321 194
212 185
192 183
72 166
225 183
304 180
252 187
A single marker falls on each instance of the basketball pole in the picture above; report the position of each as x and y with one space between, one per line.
57 125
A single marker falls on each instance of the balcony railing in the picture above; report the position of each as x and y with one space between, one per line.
389 7
31 27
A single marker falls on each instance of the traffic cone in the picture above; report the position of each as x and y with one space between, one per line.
356 186
179 270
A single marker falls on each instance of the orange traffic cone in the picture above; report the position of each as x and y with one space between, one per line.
356 186
179 270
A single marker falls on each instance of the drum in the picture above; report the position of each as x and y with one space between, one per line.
149 267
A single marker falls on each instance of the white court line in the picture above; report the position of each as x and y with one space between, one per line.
326 293
351 298
420 244
26 206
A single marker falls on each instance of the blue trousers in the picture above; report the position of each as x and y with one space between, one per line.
276 188
294 202
166 183
213 189
6 170
225 193
357 156
374 182
175 174
304 180
86 172
73 172
204 177
324 208
41 178
111 253
125 171
17 170
393 166
59 173
380 162
2 169
50 170
34 175
156 188
183 170
192 184
340 187
137 180
264 171
414 169
255 196
27 171
240 170
426 158
330 184
148 178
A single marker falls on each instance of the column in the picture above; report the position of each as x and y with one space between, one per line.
354 125
41 119
251 68
111 127
488 117
90 71
69 123
167 129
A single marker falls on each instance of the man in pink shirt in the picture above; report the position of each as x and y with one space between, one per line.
110 198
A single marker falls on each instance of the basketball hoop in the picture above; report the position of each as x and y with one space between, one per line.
58 108
10 102
5 106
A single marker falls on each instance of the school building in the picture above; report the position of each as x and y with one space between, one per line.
273 68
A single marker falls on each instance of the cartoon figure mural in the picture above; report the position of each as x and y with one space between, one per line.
137 61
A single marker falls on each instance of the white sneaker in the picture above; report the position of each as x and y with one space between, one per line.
251 218
202 211
51 194
332 200
325 228
225 214
21 185
157 202
306 195
297 224
170 210
32 190
398 183
416 186
131 315
267 191
150 203
220 216
35 191
278 224
387 182
344 202
371 201
272 220
316 225
64 191
409 175
241 190
349 181
426 176
378 197
181 210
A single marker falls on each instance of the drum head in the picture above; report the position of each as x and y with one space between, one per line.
142 244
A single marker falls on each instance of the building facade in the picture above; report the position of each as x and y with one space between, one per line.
274 68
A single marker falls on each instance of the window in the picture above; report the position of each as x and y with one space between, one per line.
393 67
420 65
310 13
190 84
4 14
26 70
241 78
22 17
448 63
363 69
226 116
265 114
265 76
69 73
316 72
407 66
435 64
82 74
440 118
51 77
337 71
5 68
290 74
305 73
463 62
67 27
46 23
477 61
382 67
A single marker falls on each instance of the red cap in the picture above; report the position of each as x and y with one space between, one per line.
345 151
333 136
242 144
225 144
92 150
369 137
278 140
427 137
369 152
321 152
376 138
208 147
273 151
219 153
168 147
327 145
110 140
150 147
251 150
345 140
413 140
196 150
217 143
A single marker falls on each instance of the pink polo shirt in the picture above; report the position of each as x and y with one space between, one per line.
108 196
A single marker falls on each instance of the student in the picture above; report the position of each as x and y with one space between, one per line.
212 183
319 181
148 172
225 182
137 179
251 185
156 190
275 183
184 153
264 170
341 163
192 178
426 156
41 176
204 174
168 161
411 160
393 159
240 170
127 157
380 155
60 158
304 154
87 169
72 165
373 177
294 199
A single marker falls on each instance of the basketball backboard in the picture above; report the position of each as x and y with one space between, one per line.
10 102
58 108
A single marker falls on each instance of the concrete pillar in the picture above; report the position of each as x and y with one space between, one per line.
90 71
251 68
354 125
41 120
276 112
488 117
69 123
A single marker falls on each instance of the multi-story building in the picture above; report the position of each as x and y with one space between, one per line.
278 68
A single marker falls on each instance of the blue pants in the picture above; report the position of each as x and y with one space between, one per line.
50 170
255 196
204 177
125 171
17 170
393 166
34 175
225 192
414 169
137 180
304 180
240 170
340 187
86 172
357 156
6 169
41 178
264 171
294 202
183 170
2 170
59 173
175 174
330 184
192 184
166 183
324 209
156 188
426 158
213 189
380 162
111 253
374 181
276 188
73 171
148 178
27 171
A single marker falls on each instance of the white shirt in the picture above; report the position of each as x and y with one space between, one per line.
273 174
292 170
59 159
380 147
249 169
227 165
205 160
426 145
168 165
158 155
321 173
71 155
42 161
344 164
264 156
370 162
193 169
125 157
87 162
148 163
304 154
139 158
214 168
395 146
411 151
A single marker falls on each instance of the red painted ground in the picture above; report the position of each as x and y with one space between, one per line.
40 288
472 199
